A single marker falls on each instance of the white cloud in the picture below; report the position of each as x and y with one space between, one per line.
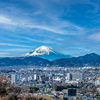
44 41
95 36
10 54
57 26
6 20
60 27
18 49
3 53
8 44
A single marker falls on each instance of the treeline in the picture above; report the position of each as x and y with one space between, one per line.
61 87
33 89
17 97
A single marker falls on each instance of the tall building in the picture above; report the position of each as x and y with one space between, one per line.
71 92
97 82
36 77
43 78
69 76
76 76
14 78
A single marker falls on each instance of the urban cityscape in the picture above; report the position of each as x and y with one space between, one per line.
57 83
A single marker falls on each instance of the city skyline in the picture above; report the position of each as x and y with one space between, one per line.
68 26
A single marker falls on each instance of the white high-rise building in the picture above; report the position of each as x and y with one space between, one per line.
97 82
36 77
76 76
69 76
14 78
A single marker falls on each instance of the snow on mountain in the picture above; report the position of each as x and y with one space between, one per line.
40 51
47 53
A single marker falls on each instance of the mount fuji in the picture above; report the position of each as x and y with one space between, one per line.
46 53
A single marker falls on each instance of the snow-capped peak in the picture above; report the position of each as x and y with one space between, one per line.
40 51
46 52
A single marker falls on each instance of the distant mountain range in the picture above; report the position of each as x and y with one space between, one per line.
81 61
15 61
46 53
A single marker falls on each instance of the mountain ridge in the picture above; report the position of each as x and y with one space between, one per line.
81 61
10 61
91 59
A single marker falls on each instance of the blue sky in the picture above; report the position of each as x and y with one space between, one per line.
68 26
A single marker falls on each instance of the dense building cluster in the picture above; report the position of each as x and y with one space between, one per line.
56 82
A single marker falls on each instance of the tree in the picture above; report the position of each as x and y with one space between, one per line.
13 89
13 97
3 91
33 89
